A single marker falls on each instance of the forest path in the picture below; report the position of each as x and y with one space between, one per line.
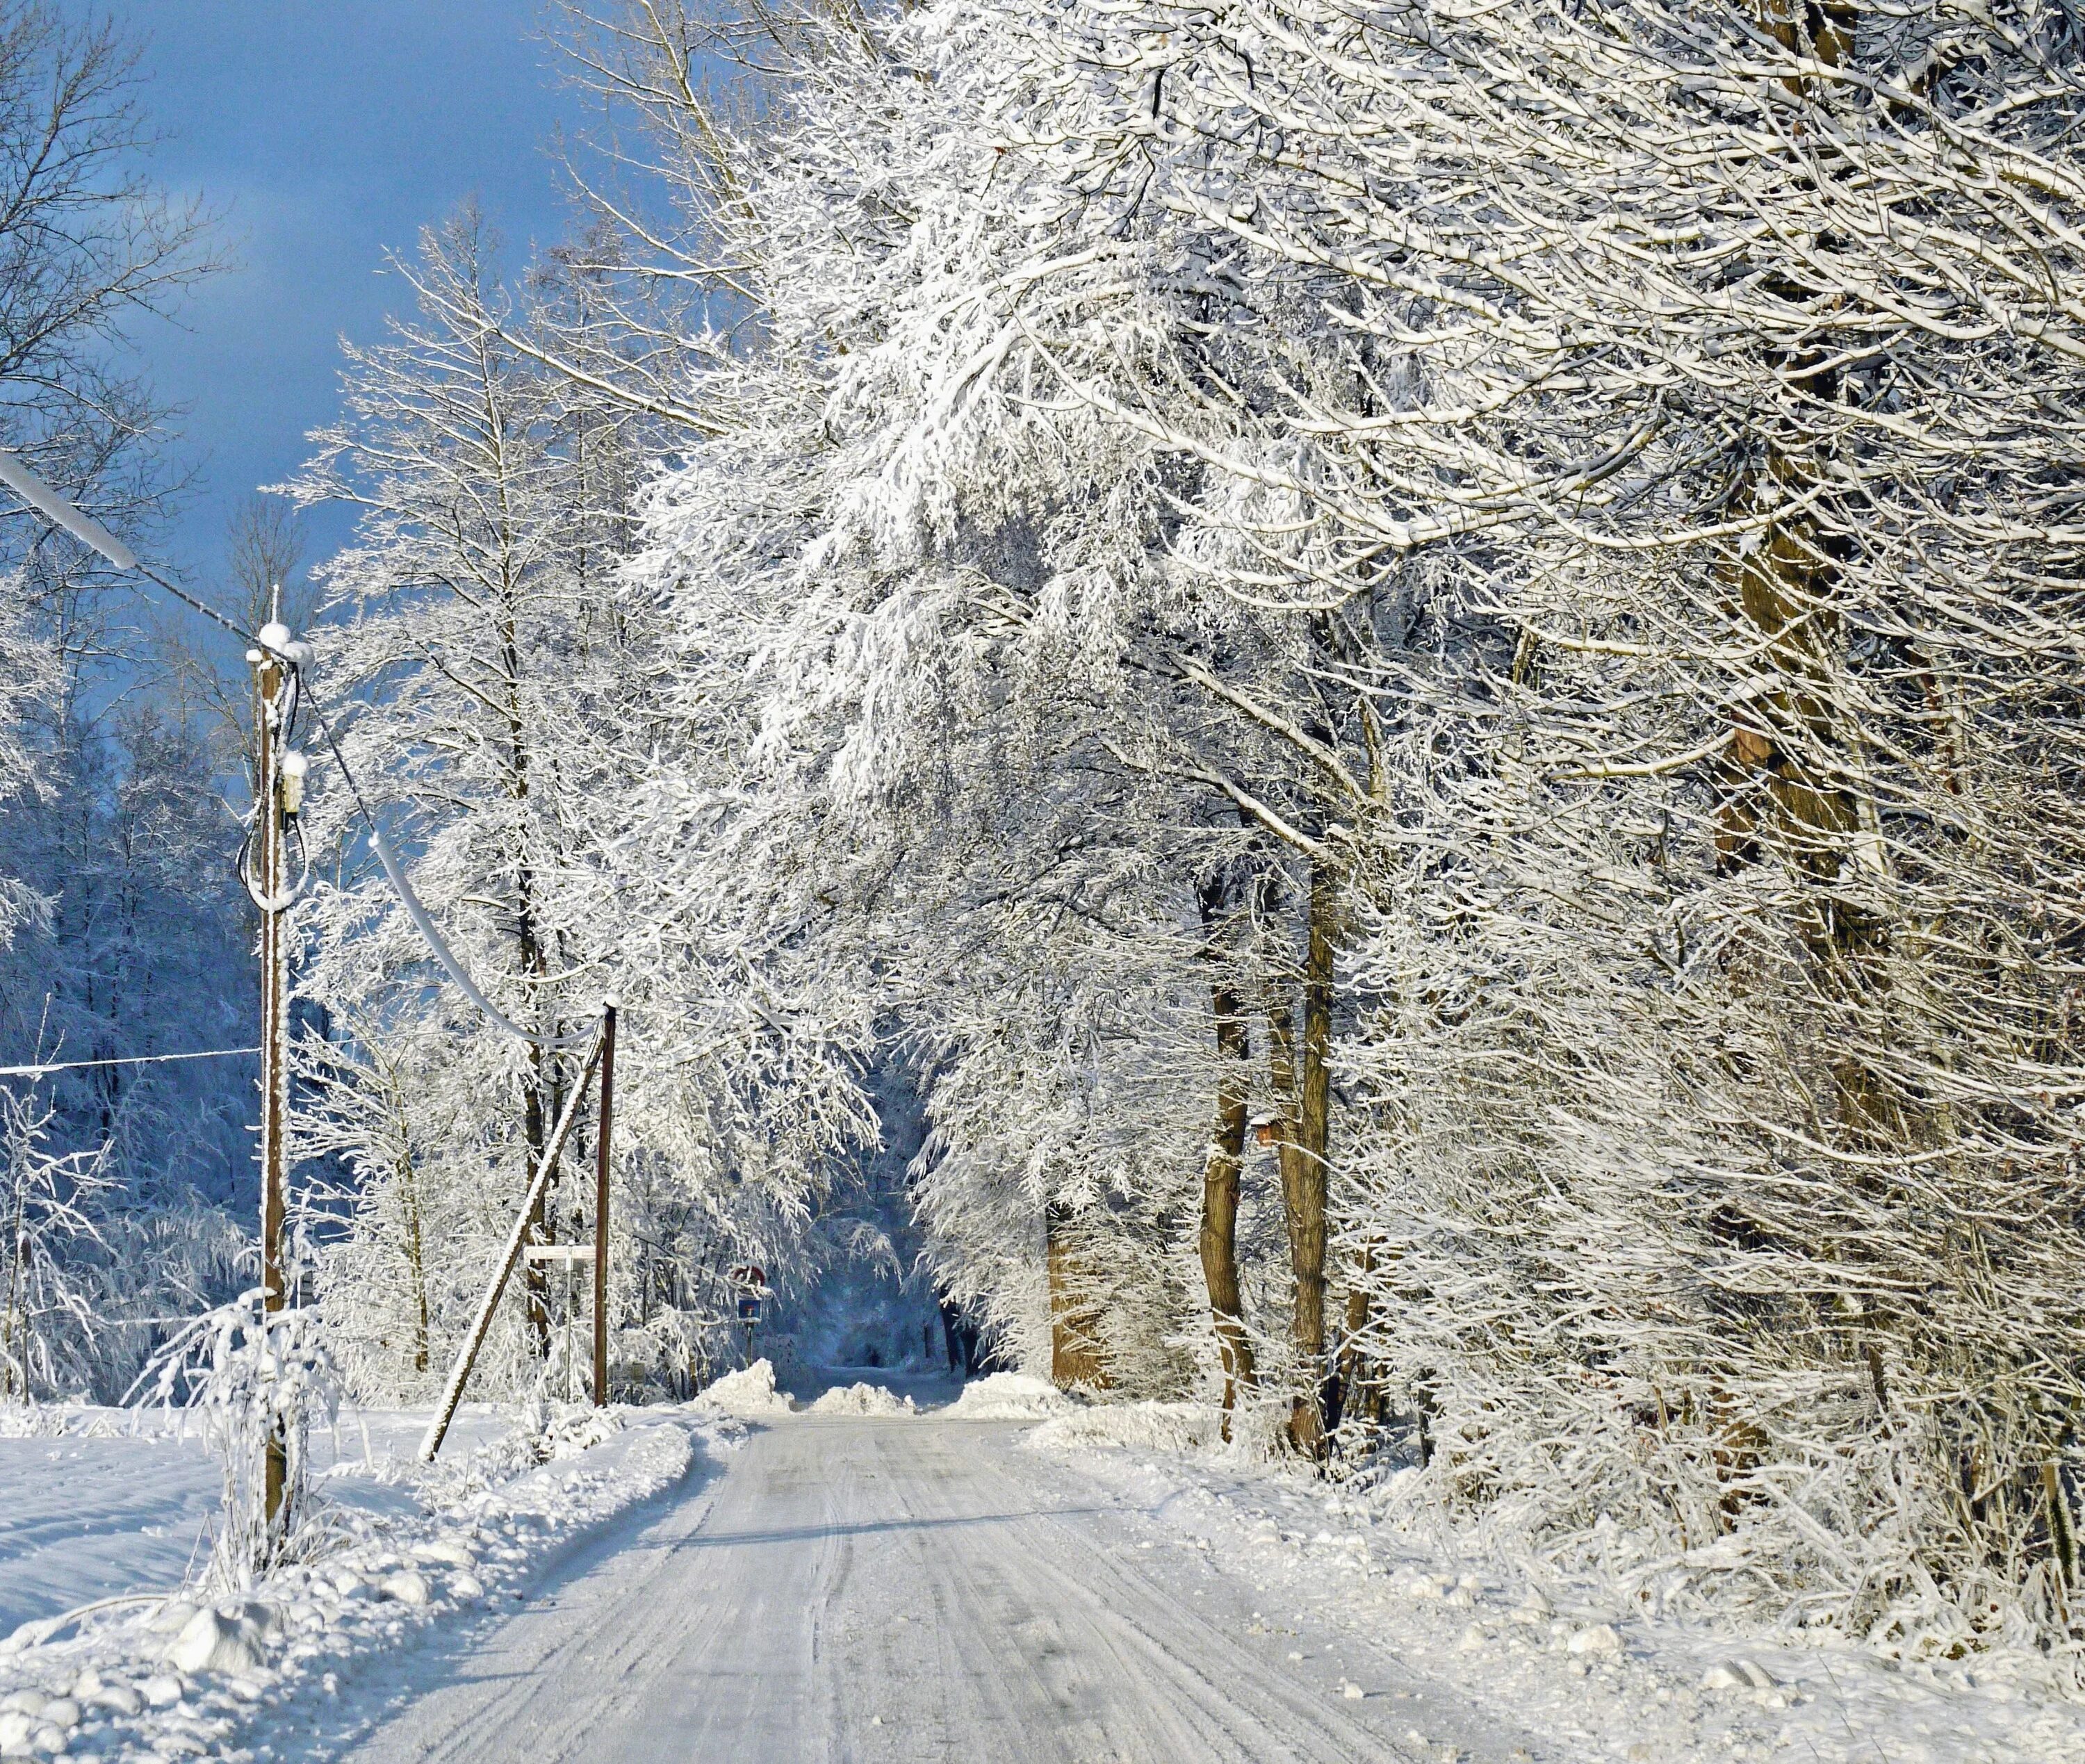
912 1589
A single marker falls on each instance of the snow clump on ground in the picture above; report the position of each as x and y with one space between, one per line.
749 1394
862 1400
1009 1396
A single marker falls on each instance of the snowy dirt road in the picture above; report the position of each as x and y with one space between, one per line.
916 1589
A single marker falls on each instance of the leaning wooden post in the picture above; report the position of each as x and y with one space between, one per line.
600 1208
467 1356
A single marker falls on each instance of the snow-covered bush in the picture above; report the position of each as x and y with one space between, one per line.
259 1379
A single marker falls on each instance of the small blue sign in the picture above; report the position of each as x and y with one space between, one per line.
749 1310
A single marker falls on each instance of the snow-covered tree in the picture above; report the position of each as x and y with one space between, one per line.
1544 533
474 617
512 729
1708 368
1413 663
116 914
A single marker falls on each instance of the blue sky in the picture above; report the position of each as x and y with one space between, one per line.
325 133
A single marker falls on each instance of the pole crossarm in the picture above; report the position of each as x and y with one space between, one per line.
467 1356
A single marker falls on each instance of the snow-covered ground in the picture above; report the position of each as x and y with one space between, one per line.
876 1573
98 1502
881 1588
82 1517
401 1555
1355 1591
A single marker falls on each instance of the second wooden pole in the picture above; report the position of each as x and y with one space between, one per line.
601 1209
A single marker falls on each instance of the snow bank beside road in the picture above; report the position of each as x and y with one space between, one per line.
862 1400
157 1678
1007 1396
1571 1661
97 1501
1140 1426
749 1394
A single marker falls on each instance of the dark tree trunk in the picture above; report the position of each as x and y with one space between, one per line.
1303 1076
1218 1240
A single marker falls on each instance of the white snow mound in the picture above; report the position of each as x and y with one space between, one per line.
1009 1396
749 1394
1136 1427
862 1400
130 1678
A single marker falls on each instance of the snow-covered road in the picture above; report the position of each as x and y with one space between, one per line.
916 1589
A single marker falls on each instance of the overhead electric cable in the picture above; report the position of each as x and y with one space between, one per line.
47 502
96 537
48 1067
424 925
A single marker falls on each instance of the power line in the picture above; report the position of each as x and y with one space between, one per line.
128 1059
90 533
423 923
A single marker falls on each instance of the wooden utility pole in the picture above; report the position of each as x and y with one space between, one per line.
271 681
607 1120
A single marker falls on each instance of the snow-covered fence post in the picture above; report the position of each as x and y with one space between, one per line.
467 1355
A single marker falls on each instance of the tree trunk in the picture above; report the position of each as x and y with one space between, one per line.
415 1260
1303 1139
540 1103
1218 1240
1795 781
1359 1395
1075 1346
1798 748
535 1275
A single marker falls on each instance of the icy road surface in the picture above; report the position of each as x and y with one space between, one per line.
860 1589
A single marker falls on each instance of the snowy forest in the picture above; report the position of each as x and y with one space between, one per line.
1373 695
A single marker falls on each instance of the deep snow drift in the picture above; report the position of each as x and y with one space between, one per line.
171 1671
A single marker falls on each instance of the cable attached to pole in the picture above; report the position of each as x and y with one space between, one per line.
424 924
294 656
49 1067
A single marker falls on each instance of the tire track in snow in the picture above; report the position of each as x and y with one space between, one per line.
865 1590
